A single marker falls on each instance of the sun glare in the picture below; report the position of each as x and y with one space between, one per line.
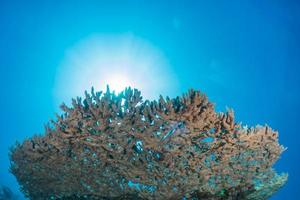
115 60
118 82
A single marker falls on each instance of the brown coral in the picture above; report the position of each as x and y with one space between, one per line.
110 146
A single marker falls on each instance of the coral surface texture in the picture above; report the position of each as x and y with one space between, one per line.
119 146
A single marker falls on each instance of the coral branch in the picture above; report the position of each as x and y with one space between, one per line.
109 146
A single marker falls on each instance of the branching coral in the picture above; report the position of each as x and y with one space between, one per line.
109 146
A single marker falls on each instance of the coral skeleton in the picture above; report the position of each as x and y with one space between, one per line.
118 146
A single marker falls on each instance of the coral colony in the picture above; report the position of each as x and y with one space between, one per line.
117 146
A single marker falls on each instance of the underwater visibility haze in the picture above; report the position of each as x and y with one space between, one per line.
206 74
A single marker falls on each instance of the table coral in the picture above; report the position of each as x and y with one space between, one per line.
117 146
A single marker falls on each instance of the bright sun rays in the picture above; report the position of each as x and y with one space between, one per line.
118 82
117 60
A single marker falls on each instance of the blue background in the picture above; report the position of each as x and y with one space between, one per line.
251 48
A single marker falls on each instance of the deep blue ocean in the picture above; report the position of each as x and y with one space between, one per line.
244 54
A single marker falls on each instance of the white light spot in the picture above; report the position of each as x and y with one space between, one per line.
118 82
117 60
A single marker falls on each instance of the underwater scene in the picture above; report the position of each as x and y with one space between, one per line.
149 100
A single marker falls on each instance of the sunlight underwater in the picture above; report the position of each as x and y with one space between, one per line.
117 60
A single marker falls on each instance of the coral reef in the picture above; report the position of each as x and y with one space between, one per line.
117 146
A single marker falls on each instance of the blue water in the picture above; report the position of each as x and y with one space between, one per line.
242 54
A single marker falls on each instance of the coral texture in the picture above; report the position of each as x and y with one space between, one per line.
109 146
